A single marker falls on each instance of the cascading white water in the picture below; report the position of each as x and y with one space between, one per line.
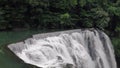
67 49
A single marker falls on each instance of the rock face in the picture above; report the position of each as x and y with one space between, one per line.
67 49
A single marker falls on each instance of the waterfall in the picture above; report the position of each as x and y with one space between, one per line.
88 48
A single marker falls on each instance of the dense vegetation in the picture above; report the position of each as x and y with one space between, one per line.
62 14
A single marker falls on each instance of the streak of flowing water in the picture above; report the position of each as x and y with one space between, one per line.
67 49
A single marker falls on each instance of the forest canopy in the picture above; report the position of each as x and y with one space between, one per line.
60 14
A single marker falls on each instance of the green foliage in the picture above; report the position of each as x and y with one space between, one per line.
82 3
42 3
117 29
86 19
65 20
100 17
114 10
65 16
116 43
62 4
59 14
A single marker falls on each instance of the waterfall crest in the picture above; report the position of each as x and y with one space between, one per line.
67 49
